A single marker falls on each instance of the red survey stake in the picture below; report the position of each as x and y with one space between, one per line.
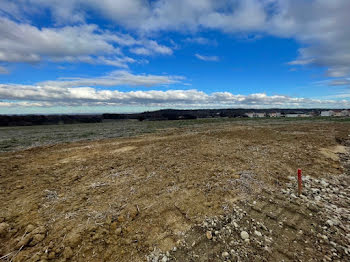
299 182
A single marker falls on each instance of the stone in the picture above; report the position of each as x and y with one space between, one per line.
118 231
164 259
4 229
317 198
209 235
324 237
67 253
225 254
121 218
24 241
39 230
113 226
244 235
37 239
330 223
72 239
133 212
324 183
51 255
29 228
257 233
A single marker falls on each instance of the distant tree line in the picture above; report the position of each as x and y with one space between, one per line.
165 114
29 120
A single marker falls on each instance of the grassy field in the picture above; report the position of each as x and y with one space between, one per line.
21 137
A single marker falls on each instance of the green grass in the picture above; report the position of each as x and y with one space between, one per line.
16 138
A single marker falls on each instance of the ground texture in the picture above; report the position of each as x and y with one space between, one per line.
224 192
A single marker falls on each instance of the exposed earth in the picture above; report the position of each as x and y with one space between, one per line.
200 193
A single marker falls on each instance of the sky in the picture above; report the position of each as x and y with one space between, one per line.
96 56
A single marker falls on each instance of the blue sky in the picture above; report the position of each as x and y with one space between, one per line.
60 56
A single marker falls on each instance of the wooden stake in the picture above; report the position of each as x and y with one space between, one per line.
300 186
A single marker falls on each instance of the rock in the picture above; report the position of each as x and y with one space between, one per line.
39 230
164 259
330 223
37 239
67 253
29 228
51 255
244 235
121 218
72 239
113 226
324 183
225 254
4 229
209 235
324 237
118 231
257 233
133 212
24 241
317 198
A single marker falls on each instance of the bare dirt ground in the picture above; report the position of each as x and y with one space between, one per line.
182 195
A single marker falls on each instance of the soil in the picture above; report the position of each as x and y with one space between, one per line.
133 199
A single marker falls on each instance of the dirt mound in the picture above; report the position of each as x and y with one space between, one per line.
275 226
121 199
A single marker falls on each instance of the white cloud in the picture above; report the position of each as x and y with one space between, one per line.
116 78
150 47
26 43
335 82
49 95
321 26
3 70
84 43
207 58
201 41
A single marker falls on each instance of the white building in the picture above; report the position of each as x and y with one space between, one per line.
260 114
275 114
251 115
298 115
345 113
327 113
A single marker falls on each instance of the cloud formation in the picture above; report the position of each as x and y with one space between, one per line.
207 58
21 42
3 70
14 95
116 78
320 26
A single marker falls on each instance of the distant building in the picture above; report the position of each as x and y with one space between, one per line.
305 115
254 114
337 113
260 114
345 113
274 114
298 115
327 113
